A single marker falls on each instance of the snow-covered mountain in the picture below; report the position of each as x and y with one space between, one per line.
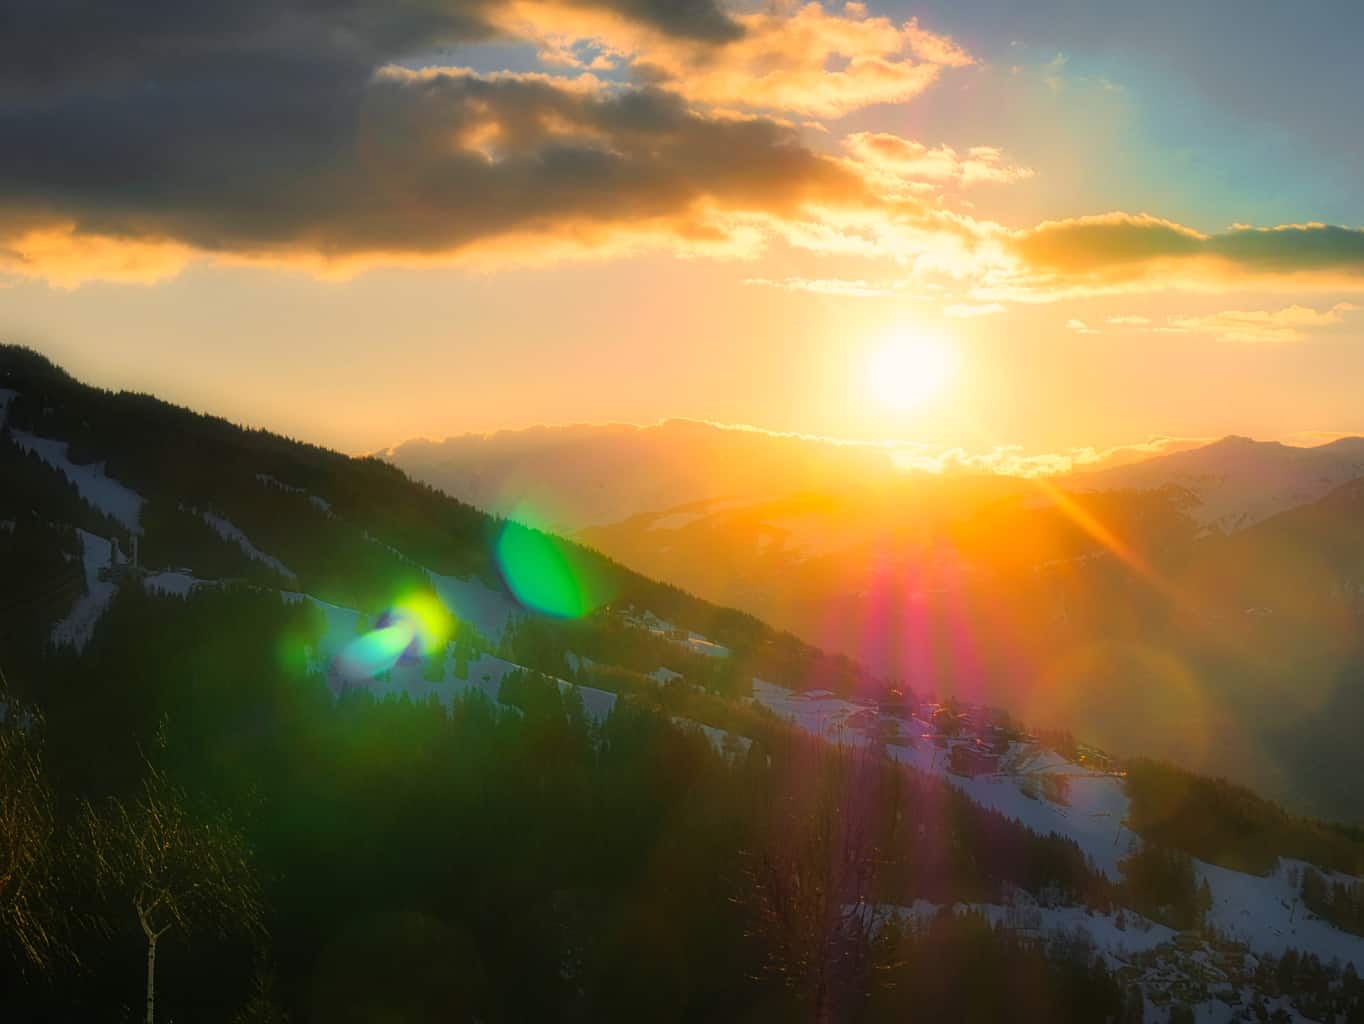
1238 481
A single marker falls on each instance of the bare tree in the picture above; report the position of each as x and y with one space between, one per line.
179 872
812 874
27 834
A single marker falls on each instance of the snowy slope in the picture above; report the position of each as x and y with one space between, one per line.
1266 914
228 531
106 494
76 629
321 504
1137 935
1239 482
1093 817
486 609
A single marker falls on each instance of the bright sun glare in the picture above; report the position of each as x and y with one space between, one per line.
910 369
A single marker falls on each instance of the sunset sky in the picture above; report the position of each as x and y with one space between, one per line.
361 221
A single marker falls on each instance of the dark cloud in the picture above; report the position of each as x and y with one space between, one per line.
702 20
69 45
1293 247
1118 246
403 163
280 127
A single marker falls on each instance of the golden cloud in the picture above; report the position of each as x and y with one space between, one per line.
904 161
67 257
1258 326
1012 460
806 61
827 286
450 167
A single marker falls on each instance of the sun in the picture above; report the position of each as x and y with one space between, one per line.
910 370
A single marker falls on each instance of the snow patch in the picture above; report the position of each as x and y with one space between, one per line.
725 742
687 638
1138 934
179 584
484 674
271 481
486 609
228 531
104 493
76 629
318 503
341 627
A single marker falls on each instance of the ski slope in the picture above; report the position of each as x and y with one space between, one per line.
76 629
103 492
228 531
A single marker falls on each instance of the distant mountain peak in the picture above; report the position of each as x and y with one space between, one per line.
1238 480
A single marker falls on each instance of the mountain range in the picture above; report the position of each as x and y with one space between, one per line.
1079 576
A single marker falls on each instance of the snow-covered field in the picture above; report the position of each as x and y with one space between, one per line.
104 493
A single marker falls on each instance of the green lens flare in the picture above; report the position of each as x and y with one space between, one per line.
376 651
538 571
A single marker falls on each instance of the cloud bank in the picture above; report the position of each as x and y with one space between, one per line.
334 136
331 136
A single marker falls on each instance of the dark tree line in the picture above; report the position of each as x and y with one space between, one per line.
1227 824
1339 902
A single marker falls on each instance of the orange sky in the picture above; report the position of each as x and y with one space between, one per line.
505 228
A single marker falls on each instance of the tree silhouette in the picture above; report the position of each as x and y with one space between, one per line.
177 871
812 871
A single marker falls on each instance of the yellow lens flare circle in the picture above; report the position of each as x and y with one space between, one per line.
416 626
910 370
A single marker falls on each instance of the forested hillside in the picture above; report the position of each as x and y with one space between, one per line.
598 798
